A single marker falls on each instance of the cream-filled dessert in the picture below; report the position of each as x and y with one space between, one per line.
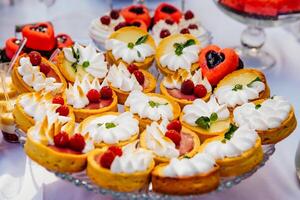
163 28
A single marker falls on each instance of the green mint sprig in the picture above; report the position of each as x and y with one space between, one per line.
229 134
205 122
153 104
180 46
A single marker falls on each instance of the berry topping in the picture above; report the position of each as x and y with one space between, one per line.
106 92
132 67
200 91
187 87
63 110
116 150
193 26
114 14
213 58
174 136
44 68
137 24
184 31
105 20
35 58
61 139
164 33
58 100
188 15
174 125
77 142
106 159
168 9
169 21
137 10
139 77
93 96
120 25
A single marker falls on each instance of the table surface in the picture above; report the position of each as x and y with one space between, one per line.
276 180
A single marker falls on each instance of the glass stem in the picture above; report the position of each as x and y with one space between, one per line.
252 39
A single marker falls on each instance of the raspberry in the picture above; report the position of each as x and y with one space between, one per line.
44 68
93 96
174 136
35 58
61 139
188 15
106 92
116 150
58 100
187 87
63 110
174 125
105 20
77 142
200 91
106 159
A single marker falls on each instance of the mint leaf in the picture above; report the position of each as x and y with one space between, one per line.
153 104
85 64
213 117
130 45
256 79
99 124
110 125
228 135
203 122
139 54
179 46
257 106
190 42
141 40
76 55
237 87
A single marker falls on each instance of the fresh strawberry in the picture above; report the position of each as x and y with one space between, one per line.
116 150
35 58
139 77
44 68
200 91
77 142
174 136
106 92
188 15
63 110
174 125
187 87
93 96
61 139
132 67
58 100
106 159
105 20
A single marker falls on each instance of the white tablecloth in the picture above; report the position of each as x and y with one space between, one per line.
276 180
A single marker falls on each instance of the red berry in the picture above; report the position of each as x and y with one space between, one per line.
174 125
188 15
58 100
63 110
139 77
93 96
106 159
114 14
193 26
169 21
174 136
106 92
44 68
164 33
184 31
132 67
200 91
77 142
120 25
116 150
35 58
105 20
187 87
61 139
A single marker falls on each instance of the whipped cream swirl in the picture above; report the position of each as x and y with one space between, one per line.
151 107
269 114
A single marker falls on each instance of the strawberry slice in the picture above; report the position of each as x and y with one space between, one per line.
61 139
77 142
116 150
106 159
174 125
174 136
58 100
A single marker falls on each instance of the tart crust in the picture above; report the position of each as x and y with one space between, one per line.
122 96
86 122
197 184
22 87
121 182
161 159
143 122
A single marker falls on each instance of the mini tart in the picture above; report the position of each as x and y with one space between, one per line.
275 135
121 182
131 34
161 159
24 87
150 82
166 45
24 121
11 90
143 122
86 122
244 77
185 185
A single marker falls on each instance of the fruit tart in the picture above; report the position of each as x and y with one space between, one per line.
167 11
125 169
273 119
242 86
169 140
184 88
134 12
32 72
207 119
178 51
196 175
33 107
111 128
88 97
130 45
55 147
7 121
79 60
164 28
124 79
238 151
151 107
10 88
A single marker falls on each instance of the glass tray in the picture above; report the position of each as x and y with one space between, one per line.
81 180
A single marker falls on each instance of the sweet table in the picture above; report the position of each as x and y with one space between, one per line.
276 180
